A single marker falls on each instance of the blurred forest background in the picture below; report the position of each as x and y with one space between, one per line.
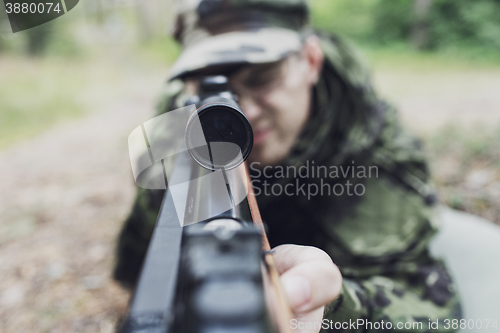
72 90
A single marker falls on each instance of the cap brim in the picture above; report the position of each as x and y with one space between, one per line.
236 48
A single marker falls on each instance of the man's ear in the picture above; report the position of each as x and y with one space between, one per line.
314 56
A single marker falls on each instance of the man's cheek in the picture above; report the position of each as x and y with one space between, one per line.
276 100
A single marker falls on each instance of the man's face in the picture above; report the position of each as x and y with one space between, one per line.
276 98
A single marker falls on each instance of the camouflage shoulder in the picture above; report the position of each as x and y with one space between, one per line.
347 59
388 223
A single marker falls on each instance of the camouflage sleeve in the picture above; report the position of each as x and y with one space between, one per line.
138 228
420 300
381 243
389 277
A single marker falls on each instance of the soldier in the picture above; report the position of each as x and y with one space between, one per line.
357 254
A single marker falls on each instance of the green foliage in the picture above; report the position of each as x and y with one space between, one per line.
348 17
160 49
63 42
54 38
449 23
38 39
63 45
392 20
30 102
467 22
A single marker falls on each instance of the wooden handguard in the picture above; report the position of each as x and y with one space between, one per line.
281 309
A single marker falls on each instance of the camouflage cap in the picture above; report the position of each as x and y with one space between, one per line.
225 33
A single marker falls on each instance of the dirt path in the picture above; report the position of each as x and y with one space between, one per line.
429 99
63 197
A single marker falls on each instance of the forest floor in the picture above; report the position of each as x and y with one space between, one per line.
456 113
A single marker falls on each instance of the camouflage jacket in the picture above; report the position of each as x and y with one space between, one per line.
378 239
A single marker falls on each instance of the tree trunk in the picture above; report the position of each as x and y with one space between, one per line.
420 29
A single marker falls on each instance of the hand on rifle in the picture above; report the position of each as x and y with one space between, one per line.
311 280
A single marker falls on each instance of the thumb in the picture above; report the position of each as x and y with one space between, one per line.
298 289
309 277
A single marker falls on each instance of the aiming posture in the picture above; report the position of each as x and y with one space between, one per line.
358 209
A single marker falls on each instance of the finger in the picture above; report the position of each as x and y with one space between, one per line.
309 276
290 255
311 285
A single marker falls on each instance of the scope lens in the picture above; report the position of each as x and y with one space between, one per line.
227 133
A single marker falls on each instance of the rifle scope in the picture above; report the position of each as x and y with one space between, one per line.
219 134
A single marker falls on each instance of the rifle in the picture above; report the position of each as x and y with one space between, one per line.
217 275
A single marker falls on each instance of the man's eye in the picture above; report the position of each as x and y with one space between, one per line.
260 81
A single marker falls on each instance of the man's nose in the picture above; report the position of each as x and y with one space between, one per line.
250 108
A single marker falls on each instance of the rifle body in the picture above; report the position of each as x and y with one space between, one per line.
210 276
